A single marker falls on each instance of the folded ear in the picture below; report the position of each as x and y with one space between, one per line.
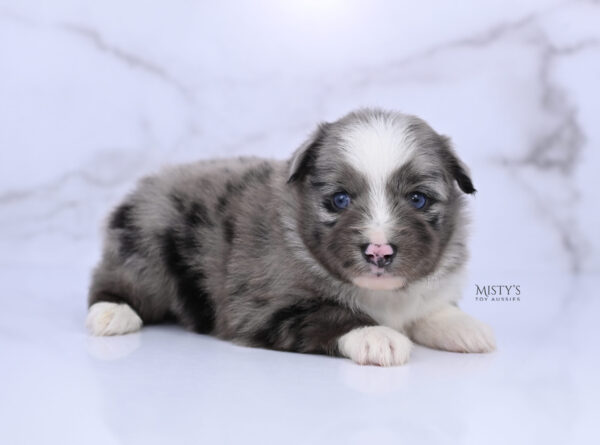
456 167
304 158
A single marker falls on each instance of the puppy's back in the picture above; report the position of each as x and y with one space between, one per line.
167 245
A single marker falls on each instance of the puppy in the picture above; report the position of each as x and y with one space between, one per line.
355 247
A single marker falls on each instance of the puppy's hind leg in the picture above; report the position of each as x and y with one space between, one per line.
112 310
129 287
107 318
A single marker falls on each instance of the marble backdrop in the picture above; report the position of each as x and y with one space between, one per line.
95 94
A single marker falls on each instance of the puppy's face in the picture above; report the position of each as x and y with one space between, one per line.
378 198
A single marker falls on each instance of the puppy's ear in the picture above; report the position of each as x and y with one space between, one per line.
456 167
304 158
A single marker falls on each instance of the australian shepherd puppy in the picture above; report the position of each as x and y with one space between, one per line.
354 247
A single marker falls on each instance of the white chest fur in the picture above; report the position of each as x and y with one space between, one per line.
397 309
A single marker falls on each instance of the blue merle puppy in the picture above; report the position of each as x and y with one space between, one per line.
355 247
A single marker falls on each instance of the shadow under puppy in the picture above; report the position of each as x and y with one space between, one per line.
354 247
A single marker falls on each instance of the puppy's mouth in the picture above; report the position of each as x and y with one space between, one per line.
377 271
378 279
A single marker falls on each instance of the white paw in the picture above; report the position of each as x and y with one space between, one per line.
452 330
375 345
105 318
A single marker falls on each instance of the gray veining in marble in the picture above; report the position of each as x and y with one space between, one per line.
94 95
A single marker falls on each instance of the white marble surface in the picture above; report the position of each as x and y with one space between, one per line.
95 94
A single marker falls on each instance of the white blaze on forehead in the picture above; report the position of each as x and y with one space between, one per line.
378 148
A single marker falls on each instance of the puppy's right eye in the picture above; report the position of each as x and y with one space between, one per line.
341 200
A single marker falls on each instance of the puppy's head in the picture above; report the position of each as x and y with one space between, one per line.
380 196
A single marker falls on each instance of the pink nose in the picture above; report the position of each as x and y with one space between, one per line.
379 255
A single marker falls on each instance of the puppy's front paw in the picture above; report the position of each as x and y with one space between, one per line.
375 345
452 330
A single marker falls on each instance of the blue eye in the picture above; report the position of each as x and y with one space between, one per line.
418 200
341 200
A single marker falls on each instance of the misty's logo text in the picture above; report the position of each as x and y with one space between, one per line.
498 292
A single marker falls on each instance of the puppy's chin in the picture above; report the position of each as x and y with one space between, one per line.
374 282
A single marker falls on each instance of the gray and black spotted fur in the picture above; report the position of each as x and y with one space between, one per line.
253 250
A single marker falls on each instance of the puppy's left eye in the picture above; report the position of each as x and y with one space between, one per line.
341 200
418 200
